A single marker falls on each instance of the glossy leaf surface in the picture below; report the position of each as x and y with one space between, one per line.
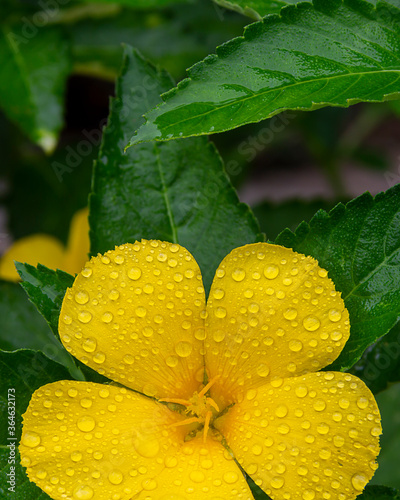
329 54
177 192
359 245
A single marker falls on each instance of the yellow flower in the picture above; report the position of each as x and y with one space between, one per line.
203 391
49 251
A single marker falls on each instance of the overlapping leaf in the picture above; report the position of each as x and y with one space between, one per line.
359 244
176 191
330 53
36 61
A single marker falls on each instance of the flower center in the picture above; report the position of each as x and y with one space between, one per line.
200 408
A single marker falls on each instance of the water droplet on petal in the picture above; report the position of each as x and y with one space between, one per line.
290 314
281 411
277 482
295 345
335 315
86 402
359 481
99 357
308 495
172 361
86 424
230 477
238 274
81 297
115 477
87 272
319 405
362 403
31 439
311 323
197 476
218 293
271 271
134 273
183 349
262 370
89 345
220 312
301 391
83 492
76 456
146 446
84 316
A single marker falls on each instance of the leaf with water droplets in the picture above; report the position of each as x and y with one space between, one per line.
21 373
359 245
329 53
257 8
177 191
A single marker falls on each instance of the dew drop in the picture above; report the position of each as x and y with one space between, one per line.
89 345
72 392
172 361
99 358
335 315
197 476
31 439
281 411
84 316
218 294
308 495
145 446
183 349
257 449
344 403
290 314
83 492
359 481
86 402
86 424
104 393
375 431
134 273
262 370
230 477
115 477
87 272
335 336
362 403
220 312
141 312
238 274
113 295
323 273
128 359
295 345
277 482
311 323
76 456
219 335
81 297
271 271
319 405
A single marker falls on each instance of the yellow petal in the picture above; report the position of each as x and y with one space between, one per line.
310 437
135 315
271 312
39 248
82 440
199 471
78 246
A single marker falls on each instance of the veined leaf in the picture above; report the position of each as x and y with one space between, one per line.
359 245
37 63
23 327
329 53
177 191
46 289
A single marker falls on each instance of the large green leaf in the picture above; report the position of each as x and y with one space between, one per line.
141 4
379 366
33 71
21 373
23 327
177 191
331 53
359 245
46 289
379 493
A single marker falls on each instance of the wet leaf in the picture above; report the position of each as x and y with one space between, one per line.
177 191
359 245
329 53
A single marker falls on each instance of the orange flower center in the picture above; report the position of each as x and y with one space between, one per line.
202 408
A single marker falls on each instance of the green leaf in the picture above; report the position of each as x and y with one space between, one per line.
257 8
176 191
379 493
379 366
46 289
331 53
36 61
359 245
23 327
21 373
388 471
141 4
274 217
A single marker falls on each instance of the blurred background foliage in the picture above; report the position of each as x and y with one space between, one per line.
59 62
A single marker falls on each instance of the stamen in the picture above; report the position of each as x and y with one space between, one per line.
183 402
186 422
212 403
208 386
206 425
